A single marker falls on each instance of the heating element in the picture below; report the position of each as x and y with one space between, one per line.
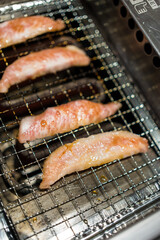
96 202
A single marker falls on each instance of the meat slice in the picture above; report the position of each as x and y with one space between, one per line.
43 62
64 118
20 29
89 152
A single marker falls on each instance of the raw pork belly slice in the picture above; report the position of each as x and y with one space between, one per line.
20 29
89 152
43 62
64 118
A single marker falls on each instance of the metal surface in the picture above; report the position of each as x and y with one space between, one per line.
120 29
88 203
146 14
138 230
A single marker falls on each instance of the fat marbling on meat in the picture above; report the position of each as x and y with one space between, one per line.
20 29
90 152
64 118
40 63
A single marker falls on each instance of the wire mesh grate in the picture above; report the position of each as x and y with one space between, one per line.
81 200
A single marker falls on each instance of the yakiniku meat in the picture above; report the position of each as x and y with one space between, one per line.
20 29
89 152
40 63
64 118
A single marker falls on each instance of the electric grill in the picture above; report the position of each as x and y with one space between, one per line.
101 202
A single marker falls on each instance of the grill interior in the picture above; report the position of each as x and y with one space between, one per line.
83 203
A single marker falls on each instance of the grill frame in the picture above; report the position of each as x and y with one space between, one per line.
137 107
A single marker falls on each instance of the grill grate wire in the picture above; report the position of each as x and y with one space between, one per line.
83 199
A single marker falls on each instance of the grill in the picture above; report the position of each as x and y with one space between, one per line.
96 202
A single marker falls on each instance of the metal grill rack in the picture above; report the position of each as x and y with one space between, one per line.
86 203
